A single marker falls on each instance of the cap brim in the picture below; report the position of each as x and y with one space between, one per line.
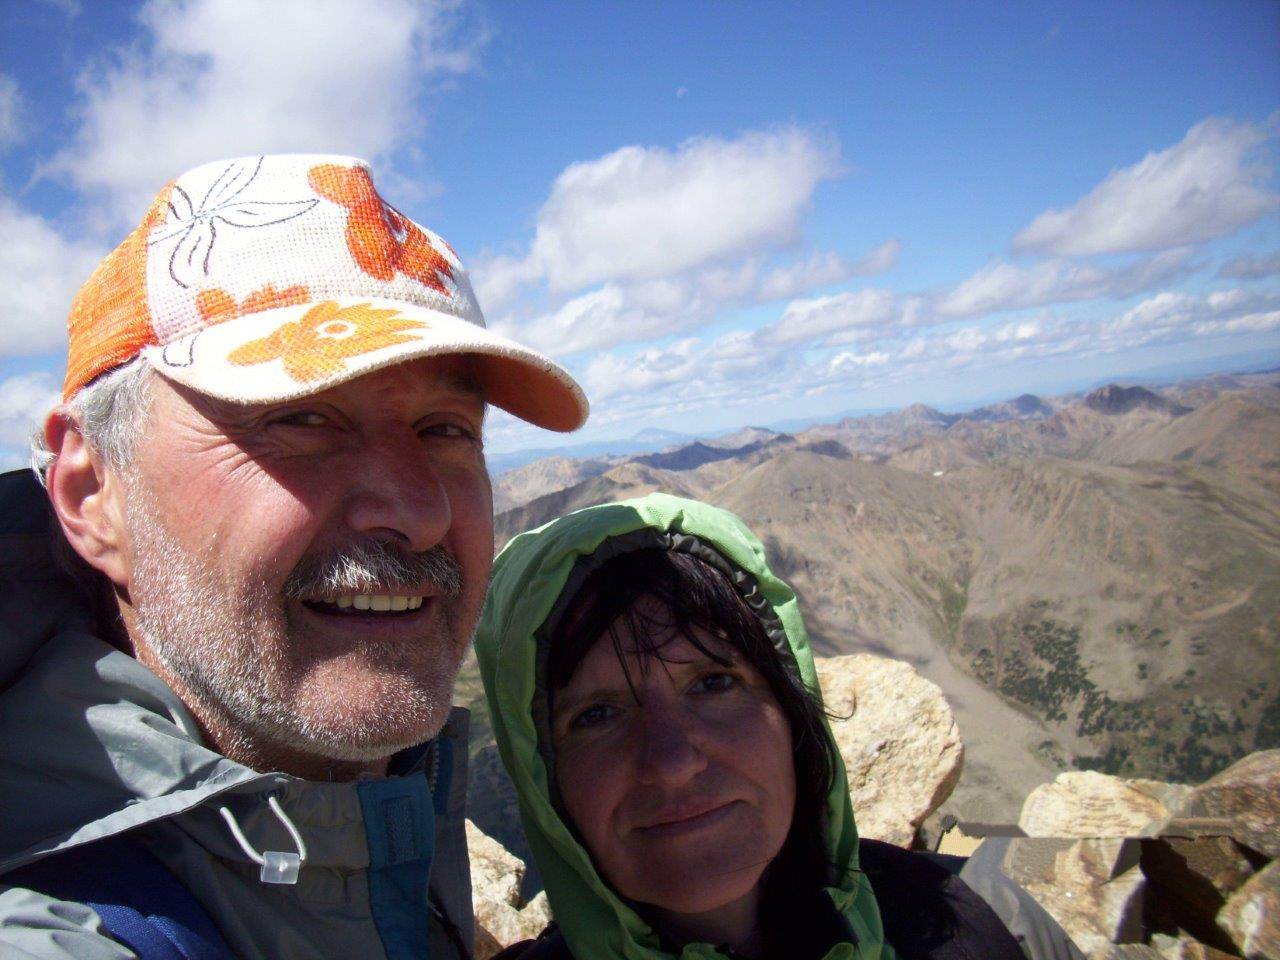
295 351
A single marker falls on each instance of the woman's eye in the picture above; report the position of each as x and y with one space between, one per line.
716 683
592 716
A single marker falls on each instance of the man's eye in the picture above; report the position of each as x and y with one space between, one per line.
300 418
452 431
715 683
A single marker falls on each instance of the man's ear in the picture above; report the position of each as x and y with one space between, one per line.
86 499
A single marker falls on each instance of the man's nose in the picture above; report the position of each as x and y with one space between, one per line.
669 750
395 492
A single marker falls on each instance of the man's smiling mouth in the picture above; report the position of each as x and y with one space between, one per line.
366 603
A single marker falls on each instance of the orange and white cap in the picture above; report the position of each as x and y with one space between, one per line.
269 278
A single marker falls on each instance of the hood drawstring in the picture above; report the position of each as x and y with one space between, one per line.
277 866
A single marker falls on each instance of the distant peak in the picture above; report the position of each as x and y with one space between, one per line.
923 411
1114 399
1027 402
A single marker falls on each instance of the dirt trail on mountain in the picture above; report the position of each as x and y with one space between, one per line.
1001 763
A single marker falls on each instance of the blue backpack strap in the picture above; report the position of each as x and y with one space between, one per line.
140 902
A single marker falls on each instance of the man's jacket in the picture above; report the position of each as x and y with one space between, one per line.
93 745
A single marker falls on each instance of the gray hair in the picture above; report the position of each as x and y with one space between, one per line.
110 413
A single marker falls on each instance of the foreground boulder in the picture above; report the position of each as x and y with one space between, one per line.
1083 803
899 740
1252 916
1243 801
502 917
1139 870
1092 887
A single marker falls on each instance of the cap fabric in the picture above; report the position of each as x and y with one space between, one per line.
269 278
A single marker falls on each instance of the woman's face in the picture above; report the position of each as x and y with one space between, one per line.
684 790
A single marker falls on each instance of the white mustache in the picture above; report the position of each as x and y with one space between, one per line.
375 566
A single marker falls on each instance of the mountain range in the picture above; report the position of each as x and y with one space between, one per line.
1093 579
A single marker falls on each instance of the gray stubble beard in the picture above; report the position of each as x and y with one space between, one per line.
218 644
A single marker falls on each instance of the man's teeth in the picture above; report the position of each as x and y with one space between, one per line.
379 602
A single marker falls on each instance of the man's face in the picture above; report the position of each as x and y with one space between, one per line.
264 544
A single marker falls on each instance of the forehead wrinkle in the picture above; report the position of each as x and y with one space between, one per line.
457 378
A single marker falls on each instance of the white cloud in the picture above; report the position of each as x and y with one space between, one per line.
703 372
1002 285
1205 186
744 367
1252 268
498 279
40 270
823 268
1248 323
846 362
10 110
598 319
24 400
806 320
623 313
645 212
1170 313
216 79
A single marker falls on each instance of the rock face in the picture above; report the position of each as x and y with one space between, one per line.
1252 915
900 742
1190 880
1091 887
1082 803
1243 801
501 917
1137 869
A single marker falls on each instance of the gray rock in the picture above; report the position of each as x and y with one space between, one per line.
1243 802
1084 803
1189 881
900 743
502 918
1252 915
1093 888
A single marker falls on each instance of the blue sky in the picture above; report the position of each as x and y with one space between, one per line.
714 214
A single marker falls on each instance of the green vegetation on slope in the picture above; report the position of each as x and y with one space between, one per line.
1178 736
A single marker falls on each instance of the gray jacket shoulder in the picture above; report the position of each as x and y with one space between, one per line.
37 927
1039 935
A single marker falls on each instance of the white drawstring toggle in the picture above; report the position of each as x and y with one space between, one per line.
277 865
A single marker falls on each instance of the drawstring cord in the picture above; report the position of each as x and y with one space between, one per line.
277 866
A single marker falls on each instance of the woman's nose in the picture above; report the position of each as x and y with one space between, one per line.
396 493
669 750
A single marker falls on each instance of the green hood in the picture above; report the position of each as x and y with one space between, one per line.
529 578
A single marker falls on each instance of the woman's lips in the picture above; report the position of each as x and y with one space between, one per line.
681 820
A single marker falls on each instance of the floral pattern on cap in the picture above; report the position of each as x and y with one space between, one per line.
382 240
316 346
216 305
197 226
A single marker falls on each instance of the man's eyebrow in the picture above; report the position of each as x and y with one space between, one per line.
220 410
466 384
